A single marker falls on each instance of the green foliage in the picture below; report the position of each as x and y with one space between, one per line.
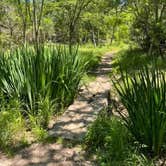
39 133
143 95
111 141
44 81
132 59
82 21
98 131
50 72
12 125
148 28
40 118
108 137
91 55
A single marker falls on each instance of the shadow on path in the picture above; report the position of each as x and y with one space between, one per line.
93 98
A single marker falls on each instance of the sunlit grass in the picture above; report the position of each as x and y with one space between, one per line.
132 59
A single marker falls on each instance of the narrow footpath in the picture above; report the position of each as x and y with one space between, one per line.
92 99
72 125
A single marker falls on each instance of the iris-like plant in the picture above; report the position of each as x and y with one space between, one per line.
144 96
51 72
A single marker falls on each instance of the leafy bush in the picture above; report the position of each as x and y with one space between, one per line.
148 27
97 133
130 60
144 95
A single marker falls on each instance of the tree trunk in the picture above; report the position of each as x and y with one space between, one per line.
93 37
71 36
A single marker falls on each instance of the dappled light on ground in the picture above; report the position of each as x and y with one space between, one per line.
92 99
47 154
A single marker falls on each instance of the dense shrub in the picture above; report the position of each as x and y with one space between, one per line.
51 72
112 143
148 27
42 82
108 137
144 95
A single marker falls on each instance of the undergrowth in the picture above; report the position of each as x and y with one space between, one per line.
111 142
132 59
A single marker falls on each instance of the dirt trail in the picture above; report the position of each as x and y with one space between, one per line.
93 98
71 125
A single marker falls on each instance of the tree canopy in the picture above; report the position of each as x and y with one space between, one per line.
84 21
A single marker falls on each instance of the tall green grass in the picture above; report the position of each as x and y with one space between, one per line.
42 83
112 143
12 125
51 72
144 96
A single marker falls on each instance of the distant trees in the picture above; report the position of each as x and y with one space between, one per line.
103 21
149 26
32 12
83 21
23 13
68 22
8 24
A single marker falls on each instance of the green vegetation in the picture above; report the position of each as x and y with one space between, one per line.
92 55
44 83
110 140
12 125
133 59
143 95
148 28
52 73
48 49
